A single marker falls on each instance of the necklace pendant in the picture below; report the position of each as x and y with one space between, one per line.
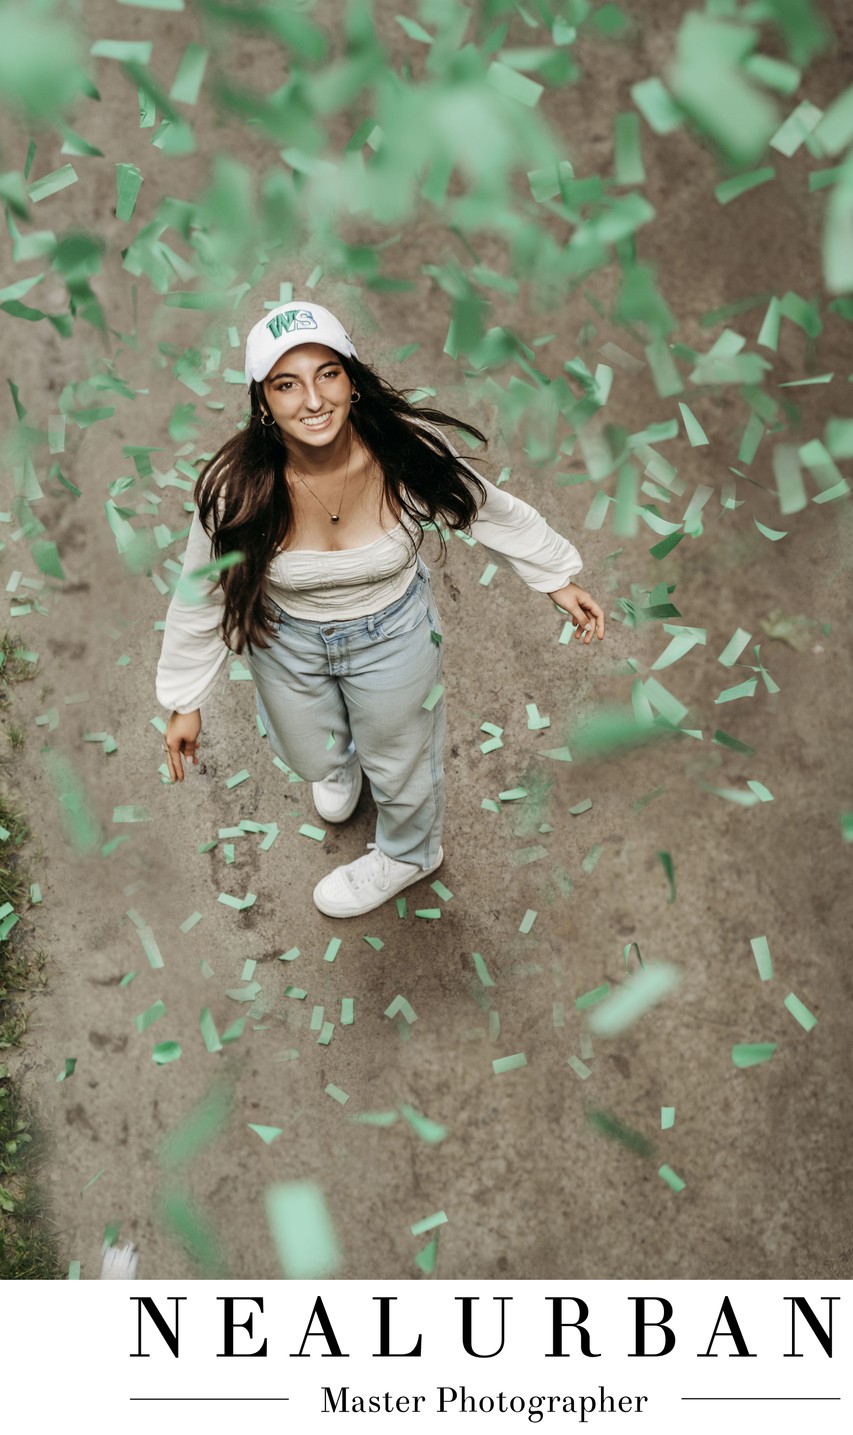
335 517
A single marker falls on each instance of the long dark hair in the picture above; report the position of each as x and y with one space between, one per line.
244 503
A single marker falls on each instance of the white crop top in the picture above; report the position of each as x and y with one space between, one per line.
347 584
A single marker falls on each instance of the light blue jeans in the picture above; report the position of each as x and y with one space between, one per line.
324 688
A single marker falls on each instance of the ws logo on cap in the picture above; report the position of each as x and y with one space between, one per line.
291 319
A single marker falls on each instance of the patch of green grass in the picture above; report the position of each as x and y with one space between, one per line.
26 1245
15 735
27 1250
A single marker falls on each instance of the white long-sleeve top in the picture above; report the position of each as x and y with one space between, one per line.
348 583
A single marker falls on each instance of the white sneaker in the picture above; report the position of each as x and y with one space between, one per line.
366 883
336 797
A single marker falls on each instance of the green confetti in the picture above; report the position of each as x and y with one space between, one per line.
509 1063
431 1132
400 1004
592 998
165 1052
433 697
667 1118
800 1012
428 1223
674 1182
638 994
753 1053
268 1134
318 834
332 949
68 1069
336 1094
482 970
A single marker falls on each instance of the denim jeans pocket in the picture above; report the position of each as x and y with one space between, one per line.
405 615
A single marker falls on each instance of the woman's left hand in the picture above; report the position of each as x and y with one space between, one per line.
581 608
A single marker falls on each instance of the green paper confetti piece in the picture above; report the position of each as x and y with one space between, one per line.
592 998
268 1134
579 1067
238 904
656 105
317 834
332 949
128 184
429 1131
376 1118
290 955
131 814
336 1094
425 1260
190 922
745 689
627 157
667 1118
165 1052
753 1053
347 1011
667 864
482 970
696 435
638 994
761 952
580 807
209 1034
527 920
800 1012
188 80
52 183
68 1069
149 1016
430 914
441 891
607 1125
509 82
73 1271
399 1004
509 1063
428 1223
238 777
326 1034
739 184
317 1018
375 942
203 1125
433 697
674 1182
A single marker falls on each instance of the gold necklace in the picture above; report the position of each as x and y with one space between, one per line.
335 517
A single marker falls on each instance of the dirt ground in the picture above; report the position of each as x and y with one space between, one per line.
530 1169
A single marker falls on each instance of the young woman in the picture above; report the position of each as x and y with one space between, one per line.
324 495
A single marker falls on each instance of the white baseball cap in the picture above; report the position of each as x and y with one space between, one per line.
290 324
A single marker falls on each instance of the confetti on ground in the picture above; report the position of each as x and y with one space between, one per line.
800 1012
667 1118
428 1223
268 1134
752 1054
401 1006
674 1182
509 1063
761 952
317 833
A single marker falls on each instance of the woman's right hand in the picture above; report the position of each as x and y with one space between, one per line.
181 741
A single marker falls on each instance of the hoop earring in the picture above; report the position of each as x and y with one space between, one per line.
355 396
271 423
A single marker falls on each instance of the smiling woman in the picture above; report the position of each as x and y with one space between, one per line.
325 495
